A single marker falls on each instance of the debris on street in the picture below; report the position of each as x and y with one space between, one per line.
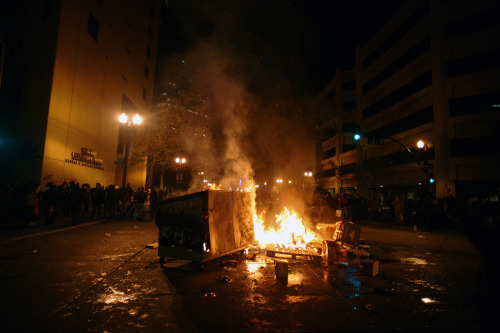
370 267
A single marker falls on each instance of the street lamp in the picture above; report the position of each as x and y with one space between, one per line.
180 160
306 174
125 121
429 177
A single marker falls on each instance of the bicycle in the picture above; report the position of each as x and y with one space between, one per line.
136 210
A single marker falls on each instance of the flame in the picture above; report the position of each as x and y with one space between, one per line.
289 231
215 187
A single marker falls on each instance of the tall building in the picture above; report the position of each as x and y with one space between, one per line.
177 77
69 69
431 74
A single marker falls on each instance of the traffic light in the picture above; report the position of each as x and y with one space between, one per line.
356 134
431 178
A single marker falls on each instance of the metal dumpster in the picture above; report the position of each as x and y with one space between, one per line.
204 225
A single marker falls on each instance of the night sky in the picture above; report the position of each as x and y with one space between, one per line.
302 42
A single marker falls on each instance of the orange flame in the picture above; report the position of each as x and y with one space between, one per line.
289 231
215 187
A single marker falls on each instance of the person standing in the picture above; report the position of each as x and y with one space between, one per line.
98 196
153 201
86 199
140 199
398 210
32 203
75 196
51 202
111 201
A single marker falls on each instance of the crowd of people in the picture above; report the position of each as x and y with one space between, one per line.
27 202
422 212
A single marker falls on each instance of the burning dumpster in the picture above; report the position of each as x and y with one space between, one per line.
204 225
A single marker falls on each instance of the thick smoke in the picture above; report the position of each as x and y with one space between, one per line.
221 156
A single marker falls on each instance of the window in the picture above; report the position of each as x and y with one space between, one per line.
93 26
329 153
178 178
403 29
146 71
474 63
417 84
475 104
348 147
416 119
473 22
413 53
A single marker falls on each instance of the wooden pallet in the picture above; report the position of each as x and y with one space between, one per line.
295 255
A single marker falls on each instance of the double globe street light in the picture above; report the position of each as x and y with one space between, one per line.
129 125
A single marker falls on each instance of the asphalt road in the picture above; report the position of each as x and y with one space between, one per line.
101 277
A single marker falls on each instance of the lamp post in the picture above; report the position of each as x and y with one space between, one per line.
179 177
429 179
421 145
306 174
129 124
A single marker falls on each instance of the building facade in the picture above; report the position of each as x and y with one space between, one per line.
70 68
431 74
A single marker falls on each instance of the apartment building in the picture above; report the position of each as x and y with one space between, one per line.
431 74
70 69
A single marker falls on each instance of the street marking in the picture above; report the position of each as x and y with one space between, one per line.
15 239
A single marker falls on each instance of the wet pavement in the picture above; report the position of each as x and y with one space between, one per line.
101 277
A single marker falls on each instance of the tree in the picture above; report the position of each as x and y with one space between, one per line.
171 128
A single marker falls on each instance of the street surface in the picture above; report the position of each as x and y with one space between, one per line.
101 277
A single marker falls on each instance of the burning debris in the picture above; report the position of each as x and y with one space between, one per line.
209 224
289 238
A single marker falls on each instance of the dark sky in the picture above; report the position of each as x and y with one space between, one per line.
300 41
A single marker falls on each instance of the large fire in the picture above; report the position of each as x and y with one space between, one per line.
289 231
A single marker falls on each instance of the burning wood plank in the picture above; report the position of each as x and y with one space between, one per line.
307 253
